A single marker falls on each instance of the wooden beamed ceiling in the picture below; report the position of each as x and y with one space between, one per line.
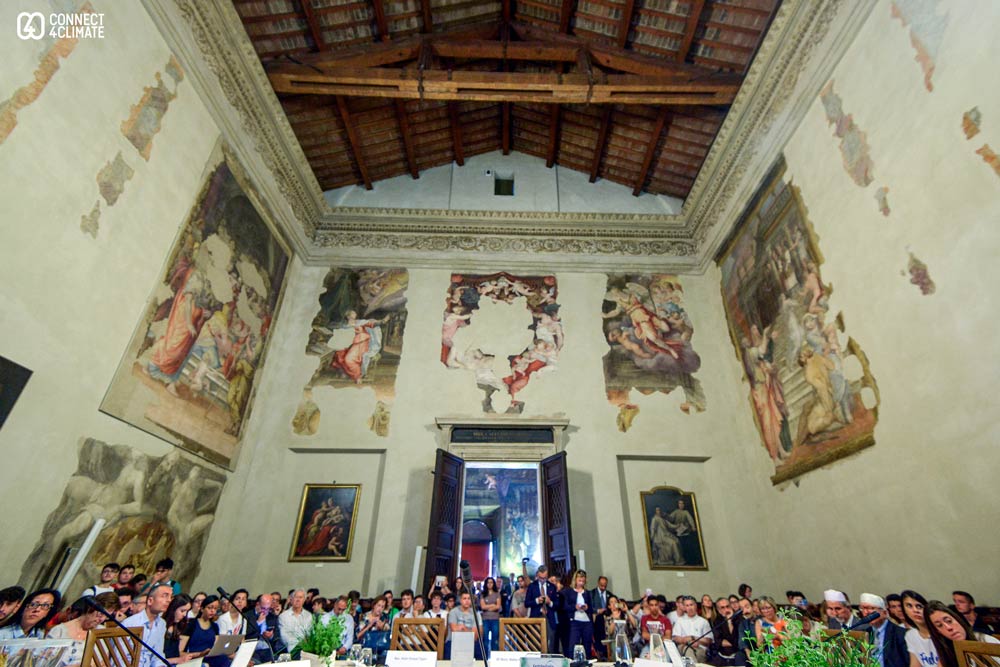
633 91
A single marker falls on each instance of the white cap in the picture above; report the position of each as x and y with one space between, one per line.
873 600
834 596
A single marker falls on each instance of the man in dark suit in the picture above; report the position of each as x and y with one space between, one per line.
600 597
888 638
540 601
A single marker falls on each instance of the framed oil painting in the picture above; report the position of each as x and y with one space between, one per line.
189 372
809 409
672 528
327 519
13 378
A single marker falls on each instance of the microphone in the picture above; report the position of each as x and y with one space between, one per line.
874 616
92 602
736 615
250 621
465 569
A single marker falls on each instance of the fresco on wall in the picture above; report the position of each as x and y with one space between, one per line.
146 116
358 336
189 372
882 197
539 294
807 409
971 122
154 506
926 28
853 143
649 335
920 276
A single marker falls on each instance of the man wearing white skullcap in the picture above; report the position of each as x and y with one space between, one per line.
888 638
838 610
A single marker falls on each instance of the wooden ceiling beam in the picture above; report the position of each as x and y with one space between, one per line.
625 23
485 86
565 15
602 140
404 130
383 27
313 22
654 140
505 140
456 133
352 136
697 6
428 24
553 145
499 50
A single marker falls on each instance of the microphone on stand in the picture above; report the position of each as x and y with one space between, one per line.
874 616
91 602
250 621
735 617
466 571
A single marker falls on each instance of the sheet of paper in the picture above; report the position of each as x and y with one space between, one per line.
673 653
463 649
244 653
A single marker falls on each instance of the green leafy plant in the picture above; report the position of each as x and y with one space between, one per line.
322 639
788 647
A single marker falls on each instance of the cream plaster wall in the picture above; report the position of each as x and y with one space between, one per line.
70 302
917 509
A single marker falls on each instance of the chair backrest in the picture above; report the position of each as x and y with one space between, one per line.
977 654
418 634
523 634
111 647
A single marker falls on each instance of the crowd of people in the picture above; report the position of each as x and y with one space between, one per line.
904 628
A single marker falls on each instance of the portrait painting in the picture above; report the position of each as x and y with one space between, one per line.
154 507
189 372
13 378
357 334
327 519
673 531
812 393
505 370
648 332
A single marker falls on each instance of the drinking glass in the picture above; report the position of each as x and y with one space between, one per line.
579 655
623 652
366 657
356 653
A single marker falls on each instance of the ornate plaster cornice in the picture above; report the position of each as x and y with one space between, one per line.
805 36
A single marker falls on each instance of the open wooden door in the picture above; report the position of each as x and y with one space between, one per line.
446 517
555 514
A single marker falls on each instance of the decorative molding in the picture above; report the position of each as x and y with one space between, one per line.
806 36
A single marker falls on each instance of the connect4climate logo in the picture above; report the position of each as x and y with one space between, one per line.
60 25
31 25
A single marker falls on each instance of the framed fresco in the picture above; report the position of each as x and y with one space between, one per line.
189 372
672 529
327 519
13 378
808 409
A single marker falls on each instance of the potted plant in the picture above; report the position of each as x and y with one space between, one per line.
785 645
319 645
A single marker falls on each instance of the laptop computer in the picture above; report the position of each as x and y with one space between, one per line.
225 645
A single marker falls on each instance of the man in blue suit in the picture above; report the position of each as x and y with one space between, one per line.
540 601
888 638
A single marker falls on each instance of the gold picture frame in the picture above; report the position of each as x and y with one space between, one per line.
324 530
678 540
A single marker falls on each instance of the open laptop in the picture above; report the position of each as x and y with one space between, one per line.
225 645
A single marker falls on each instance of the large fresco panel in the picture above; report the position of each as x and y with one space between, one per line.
808 409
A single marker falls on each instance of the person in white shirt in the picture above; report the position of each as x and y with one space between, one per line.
107 583
233 622
340 611
436 610
294 622
150 619
689 627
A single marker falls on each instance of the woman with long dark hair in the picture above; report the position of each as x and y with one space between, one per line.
176 618
947 627
490 605
30 620
198 635
923 653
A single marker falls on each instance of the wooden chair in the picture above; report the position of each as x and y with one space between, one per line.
419 634
524 634
977 654
111 647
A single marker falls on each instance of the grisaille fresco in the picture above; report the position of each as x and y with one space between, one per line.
154 506
189 371
807 409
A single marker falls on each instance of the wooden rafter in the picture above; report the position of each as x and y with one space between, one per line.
352 137
538 87
689 29
565 14
654 140
456 132
383 27
425 8
313 22
625 23
404 131
505 139
481 48
602 139
553 146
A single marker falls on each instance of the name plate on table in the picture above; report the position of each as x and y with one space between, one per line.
546 661
411 659
673 653
510 658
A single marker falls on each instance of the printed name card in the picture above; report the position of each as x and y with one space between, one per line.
509 658
545 661
411 659
643 662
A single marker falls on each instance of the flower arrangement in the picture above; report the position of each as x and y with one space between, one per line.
787 646
322 640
